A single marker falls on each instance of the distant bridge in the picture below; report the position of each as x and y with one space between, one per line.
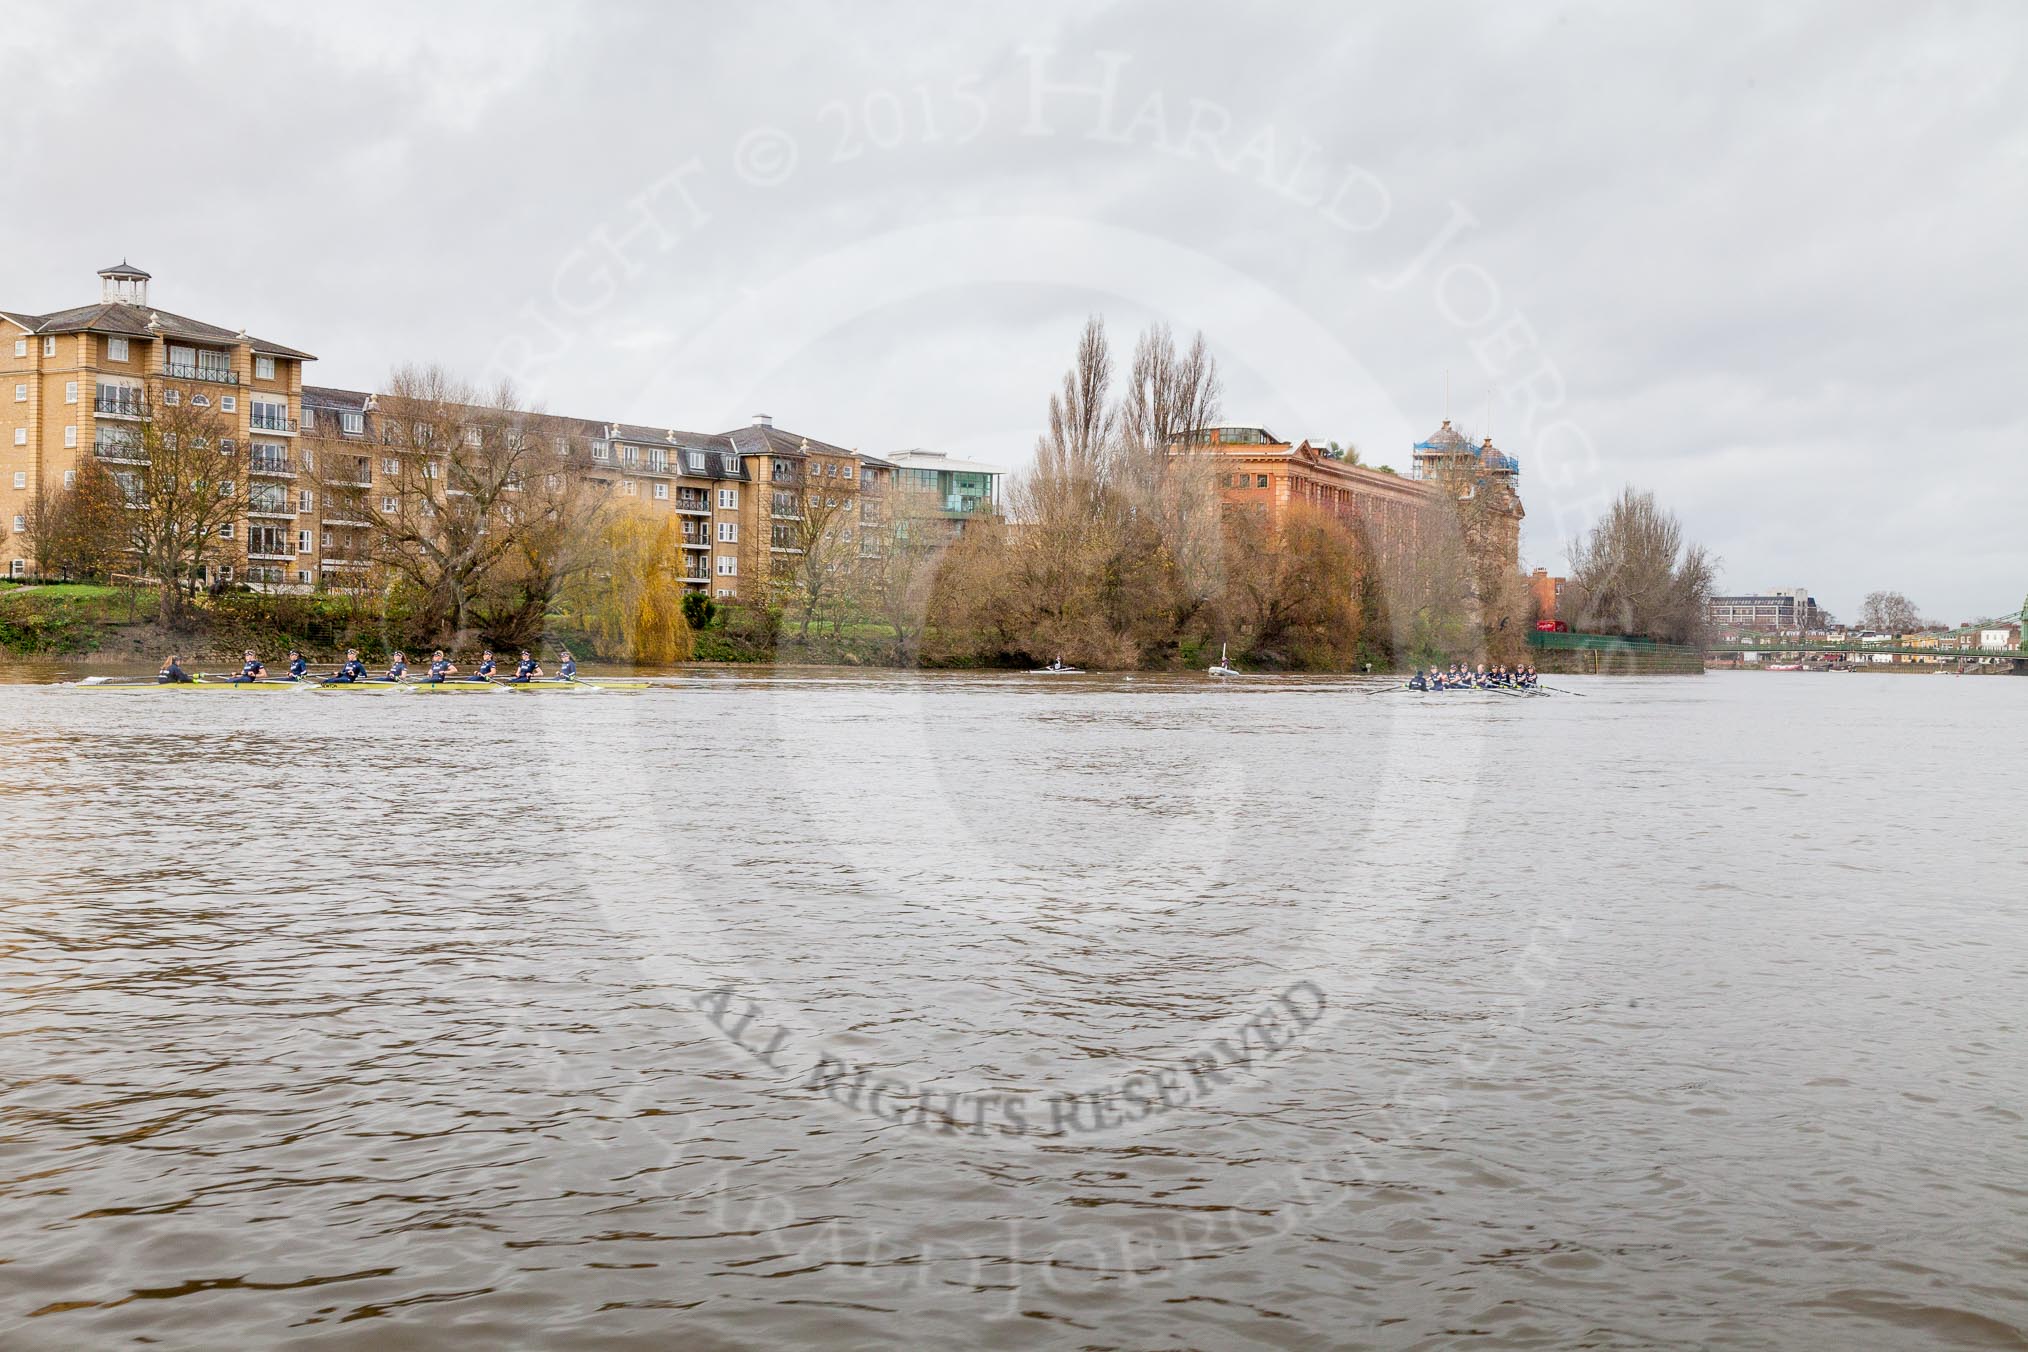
1862 651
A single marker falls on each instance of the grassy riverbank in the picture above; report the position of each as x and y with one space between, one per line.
96 624
91 622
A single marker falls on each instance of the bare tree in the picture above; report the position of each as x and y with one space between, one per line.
183 482
1078 446
1890 612
1172 479
898 567
1634 574
487 509
825 554
79 529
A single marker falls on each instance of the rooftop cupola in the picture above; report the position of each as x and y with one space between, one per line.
123 284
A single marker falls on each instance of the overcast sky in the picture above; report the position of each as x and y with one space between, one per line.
1765 260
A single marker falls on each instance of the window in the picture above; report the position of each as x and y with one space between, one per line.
20 347
728 566
303 575
269 415
661 492
306 501
302 542
172 397
225 531
728 497
603 454
70 478
49 346
70 391
695 460
20 394
390 466
845 473
1260 481
264 368
473 437
387 504
228 403
116 349
20 522
225 573
18 567
266 540
20 436
200 401
728 532
267 498
352 424
831 471
20 478
70 435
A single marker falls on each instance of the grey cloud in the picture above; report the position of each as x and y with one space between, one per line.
1768 253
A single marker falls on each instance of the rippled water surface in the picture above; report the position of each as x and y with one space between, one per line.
1008 1012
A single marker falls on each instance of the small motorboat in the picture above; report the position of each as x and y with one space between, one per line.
1223 668
1057 668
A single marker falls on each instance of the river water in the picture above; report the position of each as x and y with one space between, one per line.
799 1010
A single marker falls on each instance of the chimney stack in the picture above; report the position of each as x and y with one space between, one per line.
763 420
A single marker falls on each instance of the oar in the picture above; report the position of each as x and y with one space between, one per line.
1561 691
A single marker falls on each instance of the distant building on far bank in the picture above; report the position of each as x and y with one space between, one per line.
956 490
1772 612
1548 593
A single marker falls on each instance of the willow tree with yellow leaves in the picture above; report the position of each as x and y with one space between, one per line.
629 602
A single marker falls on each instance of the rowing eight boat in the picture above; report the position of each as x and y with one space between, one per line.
367 687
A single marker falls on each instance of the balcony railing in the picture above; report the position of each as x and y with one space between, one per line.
121 455
697 505
178 371
114 406
270 464
253 553
270 422
361 522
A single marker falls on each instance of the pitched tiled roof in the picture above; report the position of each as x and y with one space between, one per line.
133 321
324 396
761 439
642 435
